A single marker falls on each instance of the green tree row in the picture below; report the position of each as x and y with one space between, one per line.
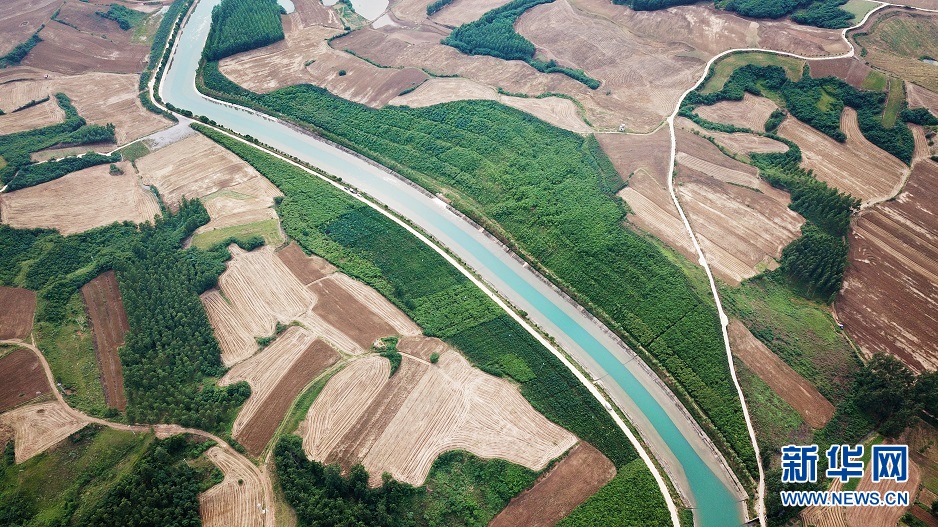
820 13
19 52
42 172
494 35
242 25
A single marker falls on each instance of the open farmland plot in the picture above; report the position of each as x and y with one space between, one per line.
19 20
895 41
338 307
921 98
400 425
16 317
193 168
578 476
79 201
882 516
24 379
277 375
751 112
784 381
889 301
742 223
89 43
855 166
259 291
100 98
38 116
109 325
852 70
307 269
40 426
236 500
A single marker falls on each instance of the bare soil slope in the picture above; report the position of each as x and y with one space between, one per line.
109 325
890 296
16 317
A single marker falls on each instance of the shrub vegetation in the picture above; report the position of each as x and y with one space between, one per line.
125 17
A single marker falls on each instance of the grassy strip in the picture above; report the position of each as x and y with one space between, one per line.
368 246
269 230
546 193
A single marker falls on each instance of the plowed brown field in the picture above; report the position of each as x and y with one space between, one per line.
338 307
855 166
921 98
577 477
237 500
307 269
16 317
40 426
277 375
402 424
882 516
80 201
786 382
109 326
19 20
88 43
889 301
751 112
24 379
852 70
741 222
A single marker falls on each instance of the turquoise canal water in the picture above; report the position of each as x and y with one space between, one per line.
716 503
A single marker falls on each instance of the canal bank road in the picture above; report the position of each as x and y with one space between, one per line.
673 438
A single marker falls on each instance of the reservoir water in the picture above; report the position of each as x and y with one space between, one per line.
672 439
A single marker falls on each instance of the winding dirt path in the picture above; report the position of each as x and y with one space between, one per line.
161 431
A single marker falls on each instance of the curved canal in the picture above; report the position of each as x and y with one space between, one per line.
672 437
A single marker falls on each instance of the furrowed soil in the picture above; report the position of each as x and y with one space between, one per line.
921 98
236 500
574 479
256 292
739 143
896 39
855 166
784 381
109 326
19 20
100 98
402 424
38 427
196 167
889 299
39 116
882 516
307 269
751 112
344 312
741 222
24 377
277 375
642 162
80 201
85 42
16 317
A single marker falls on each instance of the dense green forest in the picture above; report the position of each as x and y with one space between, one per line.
435 7
18 53
494 34
820 13
546 192
17 148
125 17
367 245
240 25
461 490
170 347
